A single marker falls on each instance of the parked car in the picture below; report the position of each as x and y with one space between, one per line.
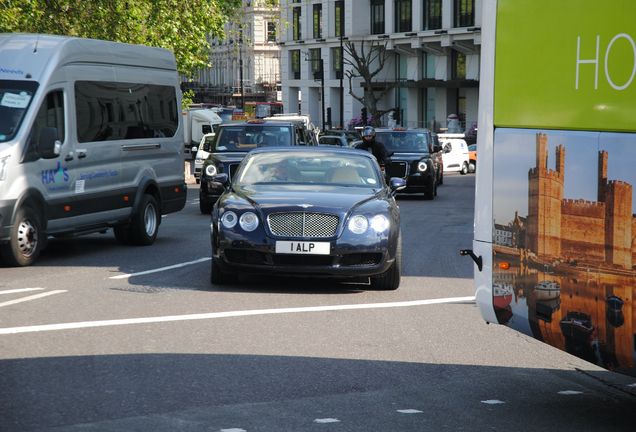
235 139
472 158
339 141
202 153
438 158
413 159
307 211
455 152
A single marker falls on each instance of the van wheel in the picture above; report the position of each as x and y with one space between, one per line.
26 239
472 167
464 168
145 225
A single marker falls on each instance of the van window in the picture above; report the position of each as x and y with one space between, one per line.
15 99
124 111
51 114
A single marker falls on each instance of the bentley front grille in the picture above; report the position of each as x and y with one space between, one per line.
303 224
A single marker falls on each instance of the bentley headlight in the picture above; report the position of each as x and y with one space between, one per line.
248 221
379 223
358 224
229 219
210 170
422 166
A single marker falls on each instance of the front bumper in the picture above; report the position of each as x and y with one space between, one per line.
6 218
364 256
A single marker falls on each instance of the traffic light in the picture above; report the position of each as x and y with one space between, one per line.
364 116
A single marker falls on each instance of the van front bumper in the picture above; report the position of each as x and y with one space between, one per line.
6 218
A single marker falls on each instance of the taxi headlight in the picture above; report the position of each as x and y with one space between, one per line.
199 160
358 224
422 166
229 219
379 223
210 170
248 221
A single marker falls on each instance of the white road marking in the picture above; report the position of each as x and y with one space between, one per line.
161 269
493 402
570 392
410 411
213 315
327 420
33 297
233 430
13 291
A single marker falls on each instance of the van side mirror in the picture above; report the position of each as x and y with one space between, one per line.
50 145
206 129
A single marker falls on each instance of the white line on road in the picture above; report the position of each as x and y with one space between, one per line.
161 269
213 315
13 291
33 297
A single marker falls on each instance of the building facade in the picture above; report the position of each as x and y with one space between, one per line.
245 65
432 67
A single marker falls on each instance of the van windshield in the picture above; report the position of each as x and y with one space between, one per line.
15 99
244 138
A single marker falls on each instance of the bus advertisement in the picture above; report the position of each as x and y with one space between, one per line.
555 217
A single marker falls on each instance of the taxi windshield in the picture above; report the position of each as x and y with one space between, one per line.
404 141
15 98
244 138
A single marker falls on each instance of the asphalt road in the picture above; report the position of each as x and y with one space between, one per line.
102 337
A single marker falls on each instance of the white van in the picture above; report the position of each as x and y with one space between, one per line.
454 152
89 139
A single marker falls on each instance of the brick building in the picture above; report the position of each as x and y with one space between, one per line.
593 231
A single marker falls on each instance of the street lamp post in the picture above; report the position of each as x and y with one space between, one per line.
341 83
241 75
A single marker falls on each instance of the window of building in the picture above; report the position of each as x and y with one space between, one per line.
340 18
377 16
317 21
428 65
336 55
316 62
432 14
403 16
296 22
271 32
459 65
295 63
464 13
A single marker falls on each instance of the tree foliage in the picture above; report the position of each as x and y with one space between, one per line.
180 25
367 65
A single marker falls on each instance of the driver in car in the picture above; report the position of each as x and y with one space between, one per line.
276 172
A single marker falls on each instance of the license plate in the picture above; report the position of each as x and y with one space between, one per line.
303 248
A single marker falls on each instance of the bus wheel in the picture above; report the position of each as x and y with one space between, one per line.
26 239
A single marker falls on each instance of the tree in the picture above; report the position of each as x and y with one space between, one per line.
367 66
180 25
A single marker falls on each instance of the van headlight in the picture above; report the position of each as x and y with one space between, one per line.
4 167
210 170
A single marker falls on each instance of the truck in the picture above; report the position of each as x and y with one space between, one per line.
197 123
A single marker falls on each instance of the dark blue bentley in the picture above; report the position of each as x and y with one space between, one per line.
312 212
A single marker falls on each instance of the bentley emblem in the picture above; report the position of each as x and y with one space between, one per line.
305 205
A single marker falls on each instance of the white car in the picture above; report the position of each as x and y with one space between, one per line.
202 153
455 152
